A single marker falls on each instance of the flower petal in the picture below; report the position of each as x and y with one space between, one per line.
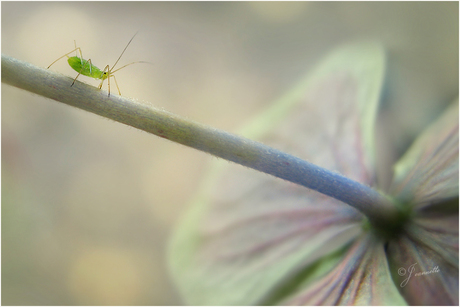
254 233
329 118
425 260
245 245
428 173
426 179
362 278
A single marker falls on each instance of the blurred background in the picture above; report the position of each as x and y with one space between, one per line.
88 204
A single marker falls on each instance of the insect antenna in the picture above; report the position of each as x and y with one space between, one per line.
112 71
123 52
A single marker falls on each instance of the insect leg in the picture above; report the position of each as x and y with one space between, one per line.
78 48
116 83
81 54
106 69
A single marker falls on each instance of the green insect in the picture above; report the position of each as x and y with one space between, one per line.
86 68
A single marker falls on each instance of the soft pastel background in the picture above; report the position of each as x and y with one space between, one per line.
88 204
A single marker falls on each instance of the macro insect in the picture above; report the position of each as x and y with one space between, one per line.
86 67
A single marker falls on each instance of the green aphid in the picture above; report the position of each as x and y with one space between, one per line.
86 68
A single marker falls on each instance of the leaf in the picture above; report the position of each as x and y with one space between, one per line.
362 278
248 234
428 173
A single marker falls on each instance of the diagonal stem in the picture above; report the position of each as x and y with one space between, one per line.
380 210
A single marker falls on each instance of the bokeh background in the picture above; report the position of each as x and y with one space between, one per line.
88 204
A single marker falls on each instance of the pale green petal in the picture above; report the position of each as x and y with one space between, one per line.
247 244
426 180
428 173
248 234
425 260
329 118
361 278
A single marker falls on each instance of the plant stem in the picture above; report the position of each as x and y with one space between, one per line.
375 206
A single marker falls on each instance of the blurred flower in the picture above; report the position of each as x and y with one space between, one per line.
254 239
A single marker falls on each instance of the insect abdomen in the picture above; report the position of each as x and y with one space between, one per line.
84 67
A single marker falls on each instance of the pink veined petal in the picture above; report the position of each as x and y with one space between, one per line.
426 178
428 173
361 278
251 242
253 233
425 261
